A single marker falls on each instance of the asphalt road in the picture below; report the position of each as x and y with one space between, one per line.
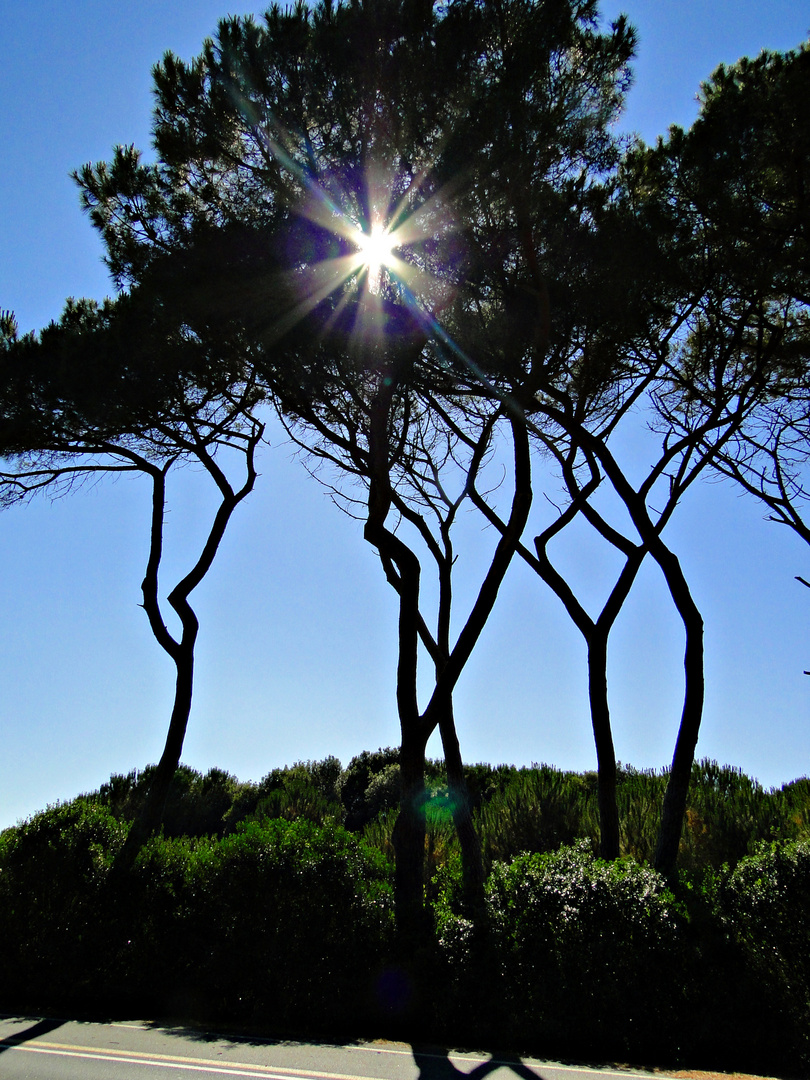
35 1049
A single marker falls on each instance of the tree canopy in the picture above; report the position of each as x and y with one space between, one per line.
410 230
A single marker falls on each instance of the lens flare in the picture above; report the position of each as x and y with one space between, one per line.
386 243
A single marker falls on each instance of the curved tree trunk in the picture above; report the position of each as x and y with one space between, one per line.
472 866
674 809
180 650
596 635
675 797
442 699
402 569
151 815
609 847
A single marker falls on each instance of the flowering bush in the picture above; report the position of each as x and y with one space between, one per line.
582 954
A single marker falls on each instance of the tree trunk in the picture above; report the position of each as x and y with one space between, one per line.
674 810
181 651
151 815
605 753
409 838
472 867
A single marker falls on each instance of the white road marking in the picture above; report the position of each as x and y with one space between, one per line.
213 1067
285 1072
170 1061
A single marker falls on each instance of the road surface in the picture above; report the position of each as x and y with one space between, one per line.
32 1048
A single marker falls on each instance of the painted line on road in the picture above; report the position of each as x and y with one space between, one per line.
192 1065
471 1059
136 1057
284 1072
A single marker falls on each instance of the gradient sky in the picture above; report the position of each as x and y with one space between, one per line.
296 653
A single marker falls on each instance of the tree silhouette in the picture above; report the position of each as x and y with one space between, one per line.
382 170
737 180
123 388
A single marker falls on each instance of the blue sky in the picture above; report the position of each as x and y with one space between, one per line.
296 653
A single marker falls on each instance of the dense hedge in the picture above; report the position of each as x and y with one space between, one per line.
282 920
54 908
285 922
763 906
578 956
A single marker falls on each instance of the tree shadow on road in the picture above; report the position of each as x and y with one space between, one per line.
225 1031
435 1064
41 1027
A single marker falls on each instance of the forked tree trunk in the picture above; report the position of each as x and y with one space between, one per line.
596 635
402 569
180 650
674 809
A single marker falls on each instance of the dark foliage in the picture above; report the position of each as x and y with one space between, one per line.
763 907
53 904
579 954
282 919
264 918
729 815
355 782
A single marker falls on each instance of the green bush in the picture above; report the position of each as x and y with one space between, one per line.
280 921
728 815
196 804
639 797
581 956
54 912
794 801
294 796
354 783
271 913
535 810
764 907
382 793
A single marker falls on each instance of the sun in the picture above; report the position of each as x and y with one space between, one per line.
383 248
376 251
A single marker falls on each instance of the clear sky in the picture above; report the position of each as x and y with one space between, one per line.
296 652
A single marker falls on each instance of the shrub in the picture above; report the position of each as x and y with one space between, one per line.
764 906
535 810
196 804
296 797
355 780
640 797
54 909
794 801
279 922
382 793
728 815
581 955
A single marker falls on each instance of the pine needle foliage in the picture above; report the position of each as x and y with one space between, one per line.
538 809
